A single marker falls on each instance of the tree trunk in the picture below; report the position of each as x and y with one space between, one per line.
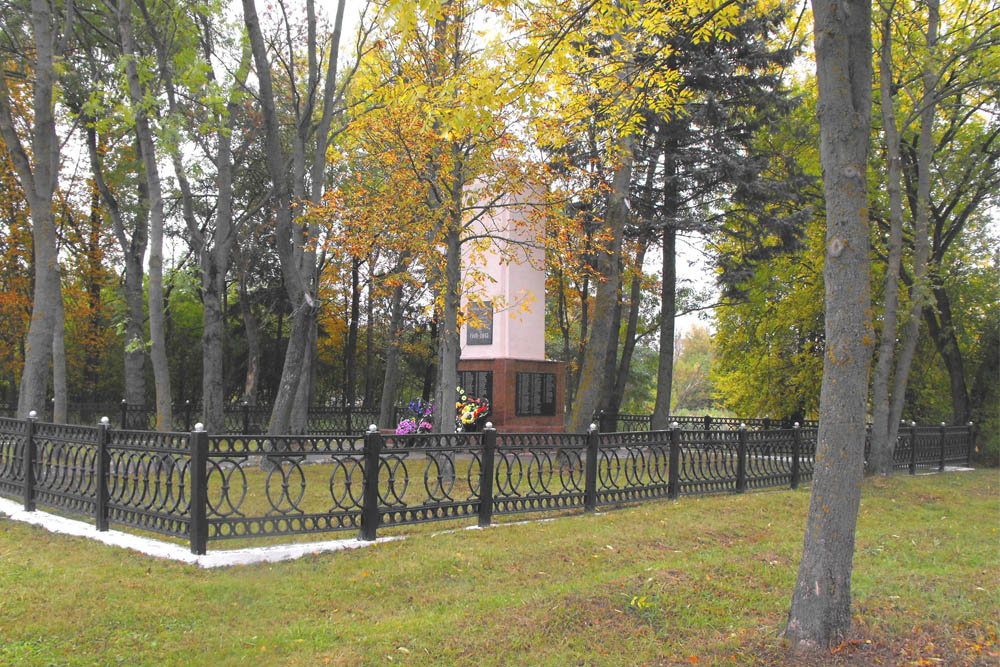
430 372
668 307
351 350
631 329
299 420
880 457
252 328
369 397
920 289
606 400
157 314
449 343
133 249
59 391
595 352
820 613
390 385
942 332
39 182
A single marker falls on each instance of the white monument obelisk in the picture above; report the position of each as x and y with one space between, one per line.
503 338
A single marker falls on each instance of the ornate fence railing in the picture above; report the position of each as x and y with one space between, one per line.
207 488
610 422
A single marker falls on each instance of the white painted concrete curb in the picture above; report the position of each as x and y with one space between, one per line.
177 552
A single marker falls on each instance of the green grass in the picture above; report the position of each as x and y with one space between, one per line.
706 579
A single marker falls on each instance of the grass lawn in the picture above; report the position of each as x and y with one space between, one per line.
703 580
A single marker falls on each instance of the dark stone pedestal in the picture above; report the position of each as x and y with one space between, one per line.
527 396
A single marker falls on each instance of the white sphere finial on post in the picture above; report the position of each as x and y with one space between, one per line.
489 425
372 428
199 427
593 427
32 415
105 421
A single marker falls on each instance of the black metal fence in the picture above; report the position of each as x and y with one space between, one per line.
203 488
239 418
611 422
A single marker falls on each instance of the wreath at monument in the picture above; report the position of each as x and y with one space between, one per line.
471 412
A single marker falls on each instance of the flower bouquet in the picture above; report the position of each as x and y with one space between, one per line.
470 411
420 419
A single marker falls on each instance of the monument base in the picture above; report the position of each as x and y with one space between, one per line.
526 396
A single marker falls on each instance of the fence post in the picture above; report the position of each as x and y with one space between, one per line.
741 463
103 463
941 450
124 416
369 502
673 474
767 423
187 415
796 453
246 418
199 489
590 474
972 444
708 422
28 472
913 447
489 442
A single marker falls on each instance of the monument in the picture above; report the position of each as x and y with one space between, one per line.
503 335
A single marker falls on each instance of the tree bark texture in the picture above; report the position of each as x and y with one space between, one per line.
133 249
59 391
449 343
920 290
606 299
252 328
390 383
39 182
880 457
157 312
820 613
351 351
668 307
942 331
631 331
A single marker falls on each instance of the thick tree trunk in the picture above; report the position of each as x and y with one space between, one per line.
880 458
595 352
449 343
390 385
59 390
39 184
212 352
299 420
606 402
668 307
820 613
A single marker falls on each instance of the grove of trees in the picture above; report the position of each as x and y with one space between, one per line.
210 204
223 203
